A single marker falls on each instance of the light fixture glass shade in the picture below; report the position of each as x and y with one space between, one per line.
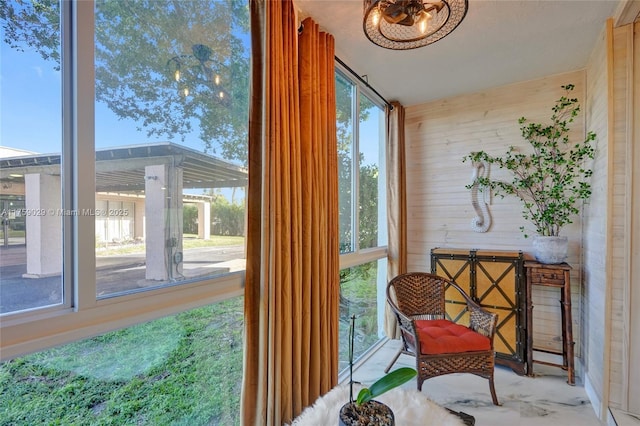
199 72
400 24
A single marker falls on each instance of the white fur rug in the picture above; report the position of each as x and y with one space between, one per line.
410 408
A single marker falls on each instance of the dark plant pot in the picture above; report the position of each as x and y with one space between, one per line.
369 413
550 250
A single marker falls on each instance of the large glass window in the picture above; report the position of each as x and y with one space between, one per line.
345 98
361 172
362 209
30 166
171 125
371 176
123 165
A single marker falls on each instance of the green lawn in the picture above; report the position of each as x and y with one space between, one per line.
189 241
180 370
358 292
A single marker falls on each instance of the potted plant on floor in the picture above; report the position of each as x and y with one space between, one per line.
364 410
550 181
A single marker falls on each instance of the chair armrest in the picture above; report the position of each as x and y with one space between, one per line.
407 326
481 320
404 322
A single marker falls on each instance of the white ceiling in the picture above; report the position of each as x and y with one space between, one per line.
499 42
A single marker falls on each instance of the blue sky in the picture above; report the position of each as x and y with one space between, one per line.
30 97
30 107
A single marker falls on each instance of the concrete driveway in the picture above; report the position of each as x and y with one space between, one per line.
114 274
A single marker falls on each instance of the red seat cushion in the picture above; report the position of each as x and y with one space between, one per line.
443 337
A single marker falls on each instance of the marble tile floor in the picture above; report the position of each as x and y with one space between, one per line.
545 399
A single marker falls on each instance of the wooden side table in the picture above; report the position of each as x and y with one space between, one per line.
557 276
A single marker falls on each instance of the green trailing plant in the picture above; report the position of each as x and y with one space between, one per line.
551 180
382 385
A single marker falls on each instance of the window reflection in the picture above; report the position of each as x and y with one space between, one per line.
176 84
30 172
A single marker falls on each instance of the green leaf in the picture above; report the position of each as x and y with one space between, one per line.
363 396
386 383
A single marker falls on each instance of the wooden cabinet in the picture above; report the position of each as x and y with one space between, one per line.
495 280
557 276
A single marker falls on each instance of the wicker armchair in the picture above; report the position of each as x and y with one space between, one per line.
439 345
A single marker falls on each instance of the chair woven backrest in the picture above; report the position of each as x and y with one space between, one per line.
419 294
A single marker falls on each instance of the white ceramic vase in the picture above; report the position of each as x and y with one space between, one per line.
550 250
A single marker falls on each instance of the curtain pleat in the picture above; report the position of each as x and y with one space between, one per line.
292 277
320 206
254 381
396 206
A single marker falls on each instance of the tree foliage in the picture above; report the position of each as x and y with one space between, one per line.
32 25
553 178
367 173
190 219
368 202
136 41
227 218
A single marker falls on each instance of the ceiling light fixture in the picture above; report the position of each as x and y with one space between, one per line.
408 24
194 72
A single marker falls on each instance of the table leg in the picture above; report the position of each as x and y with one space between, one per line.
568 332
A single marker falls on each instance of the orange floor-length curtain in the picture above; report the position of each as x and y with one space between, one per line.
292 277
396 206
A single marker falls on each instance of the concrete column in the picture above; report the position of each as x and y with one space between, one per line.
163 222
204 220
43 203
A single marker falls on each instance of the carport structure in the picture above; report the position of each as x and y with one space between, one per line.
149 178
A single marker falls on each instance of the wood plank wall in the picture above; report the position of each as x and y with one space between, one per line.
633 330
594 294
624 239
439 209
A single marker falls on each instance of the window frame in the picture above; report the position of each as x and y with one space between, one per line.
82 314
360 256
